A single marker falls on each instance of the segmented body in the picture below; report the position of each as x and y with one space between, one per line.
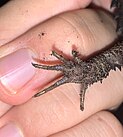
92 70
102 64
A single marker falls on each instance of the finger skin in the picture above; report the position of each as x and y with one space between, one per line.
100 124
4 108
81 29
16 17
27 122
49 118
103 3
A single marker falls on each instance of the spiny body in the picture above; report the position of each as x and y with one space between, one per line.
87 72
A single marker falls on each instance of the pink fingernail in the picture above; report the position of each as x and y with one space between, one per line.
10 130
16 70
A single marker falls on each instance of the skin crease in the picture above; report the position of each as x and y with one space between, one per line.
17 99
18 18
65 101
23 14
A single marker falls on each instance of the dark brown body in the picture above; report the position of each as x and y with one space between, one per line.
97 68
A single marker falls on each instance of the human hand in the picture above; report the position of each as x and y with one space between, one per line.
65 99
27 14
17 17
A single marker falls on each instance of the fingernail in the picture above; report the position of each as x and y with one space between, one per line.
16 70
10 130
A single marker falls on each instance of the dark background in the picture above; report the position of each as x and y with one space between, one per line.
118 113
2 2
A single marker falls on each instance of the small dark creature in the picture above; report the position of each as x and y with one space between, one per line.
87 72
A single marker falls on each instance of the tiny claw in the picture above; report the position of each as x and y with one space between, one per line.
74 53
39 93
37 65
101 81
119 67
81 107
53 52
33 64
114 68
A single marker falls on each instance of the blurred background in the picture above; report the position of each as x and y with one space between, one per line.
118 113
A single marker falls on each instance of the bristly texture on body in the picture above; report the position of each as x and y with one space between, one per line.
92 70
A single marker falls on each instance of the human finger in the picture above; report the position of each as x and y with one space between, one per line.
100 124
4 108
18 16
20 80
50 115
62 104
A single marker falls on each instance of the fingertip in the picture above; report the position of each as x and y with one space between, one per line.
100 124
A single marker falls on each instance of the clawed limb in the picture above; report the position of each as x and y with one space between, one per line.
76 56
70 75
54 67
55 85
60 57
82 96
47 67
